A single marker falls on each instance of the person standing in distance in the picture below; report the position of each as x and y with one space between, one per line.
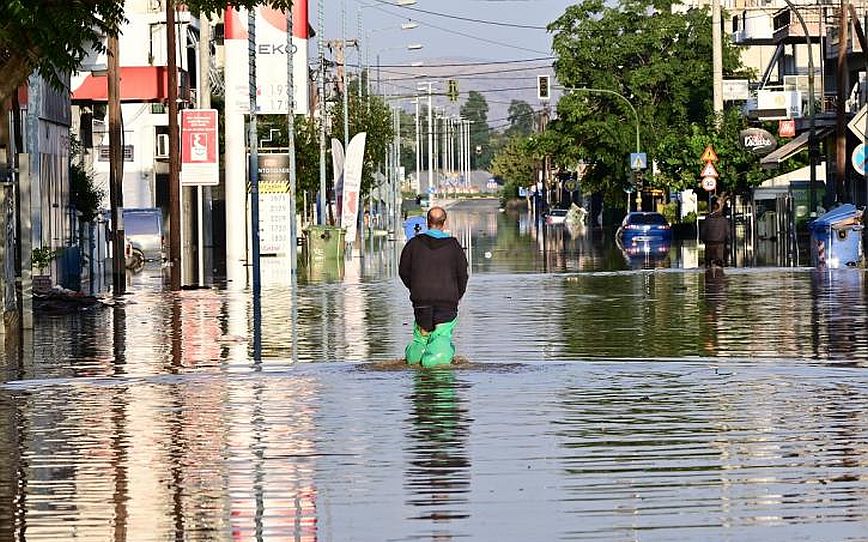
434 268
715 235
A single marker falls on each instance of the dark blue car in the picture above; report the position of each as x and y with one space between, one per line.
644 227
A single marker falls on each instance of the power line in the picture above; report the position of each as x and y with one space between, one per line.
456 32
459 64
469 19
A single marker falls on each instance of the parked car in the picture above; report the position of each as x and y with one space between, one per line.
556 216
143 228
640 227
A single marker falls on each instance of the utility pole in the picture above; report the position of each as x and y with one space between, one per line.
717 57
290 129
174 149
116 168
430 140
323 197
418 145
204 193
253 143
843 90
346 91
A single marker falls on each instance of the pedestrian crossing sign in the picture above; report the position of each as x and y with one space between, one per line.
638 160
709 171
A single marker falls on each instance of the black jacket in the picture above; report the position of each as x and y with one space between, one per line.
715 229
434 270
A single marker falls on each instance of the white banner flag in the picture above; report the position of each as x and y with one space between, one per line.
353 165
338 168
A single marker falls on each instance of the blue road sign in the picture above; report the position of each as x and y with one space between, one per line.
638 160
858 158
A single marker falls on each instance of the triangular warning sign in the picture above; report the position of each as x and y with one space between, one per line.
709 155
709 170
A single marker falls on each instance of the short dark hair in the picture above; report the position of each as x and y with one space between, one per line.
436 217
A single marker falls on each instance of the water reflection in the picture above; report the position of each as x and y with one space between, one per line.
438 477
609 401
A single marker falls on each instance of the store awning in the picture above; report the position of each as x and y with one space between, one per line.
138 84
792 148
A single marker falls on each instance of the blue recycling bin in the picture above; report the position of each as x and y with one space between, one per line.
836 238
415 225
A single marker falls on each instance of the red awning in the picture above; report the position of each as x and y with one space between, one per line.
138 84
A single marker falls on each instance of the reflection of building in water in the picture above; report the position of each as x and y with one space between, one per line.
271 468
355 332
438 475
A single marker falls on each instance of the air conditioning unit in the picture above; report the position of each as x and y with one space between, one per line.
162 150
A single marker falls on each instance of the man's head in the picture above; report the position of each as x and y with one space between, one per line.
436 218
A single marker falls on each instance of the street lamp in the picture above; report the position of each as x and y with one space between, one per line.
812 130
409 25
409 47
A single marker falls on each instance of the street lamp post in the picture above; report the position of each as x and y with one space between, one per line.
812 127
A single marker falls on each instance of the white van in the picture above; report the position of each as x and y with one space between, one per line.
144 230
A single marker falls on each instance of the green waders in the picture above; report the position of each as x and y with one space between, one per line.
431 349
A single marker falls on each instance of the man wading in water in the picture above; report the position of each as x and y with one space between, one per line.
434 268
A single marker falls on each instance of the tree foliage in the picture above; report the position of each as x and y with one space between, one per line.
369 114
520 116
655 58
515 164
680 161
53 36
475 109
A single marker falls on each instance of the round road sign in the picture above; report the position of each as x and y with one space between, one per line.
709 183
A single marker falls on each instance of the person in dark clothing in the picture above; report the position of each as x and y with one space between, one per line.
434 268
715 235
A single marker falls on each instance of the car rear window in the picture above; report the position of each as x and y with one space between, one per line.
651 219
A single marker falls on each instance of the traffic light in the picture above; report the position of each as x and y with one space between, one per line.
543 87
452 90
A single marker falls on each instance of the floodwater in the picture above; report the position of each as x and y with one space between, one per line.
601 395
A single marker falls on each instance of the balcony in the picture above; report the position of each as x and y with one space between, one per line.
788 29
752 27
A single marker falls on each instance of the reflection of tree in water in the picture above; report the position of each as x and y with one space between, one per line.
438 476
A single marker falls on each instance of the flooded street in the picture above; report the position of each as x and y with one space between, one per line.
602 395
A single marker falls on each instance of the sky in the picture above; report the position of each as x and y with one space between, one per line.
446 38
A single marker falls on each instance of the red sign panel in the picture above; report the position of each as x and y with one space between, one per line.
199 150
787 128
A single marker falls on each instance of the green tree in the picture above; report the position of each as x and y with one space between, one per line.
370 114
306 147
520 116
475 109
680 161
515 163
53 36
652 56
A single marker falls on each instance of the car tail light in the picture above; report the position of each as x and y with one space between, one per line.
632 227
